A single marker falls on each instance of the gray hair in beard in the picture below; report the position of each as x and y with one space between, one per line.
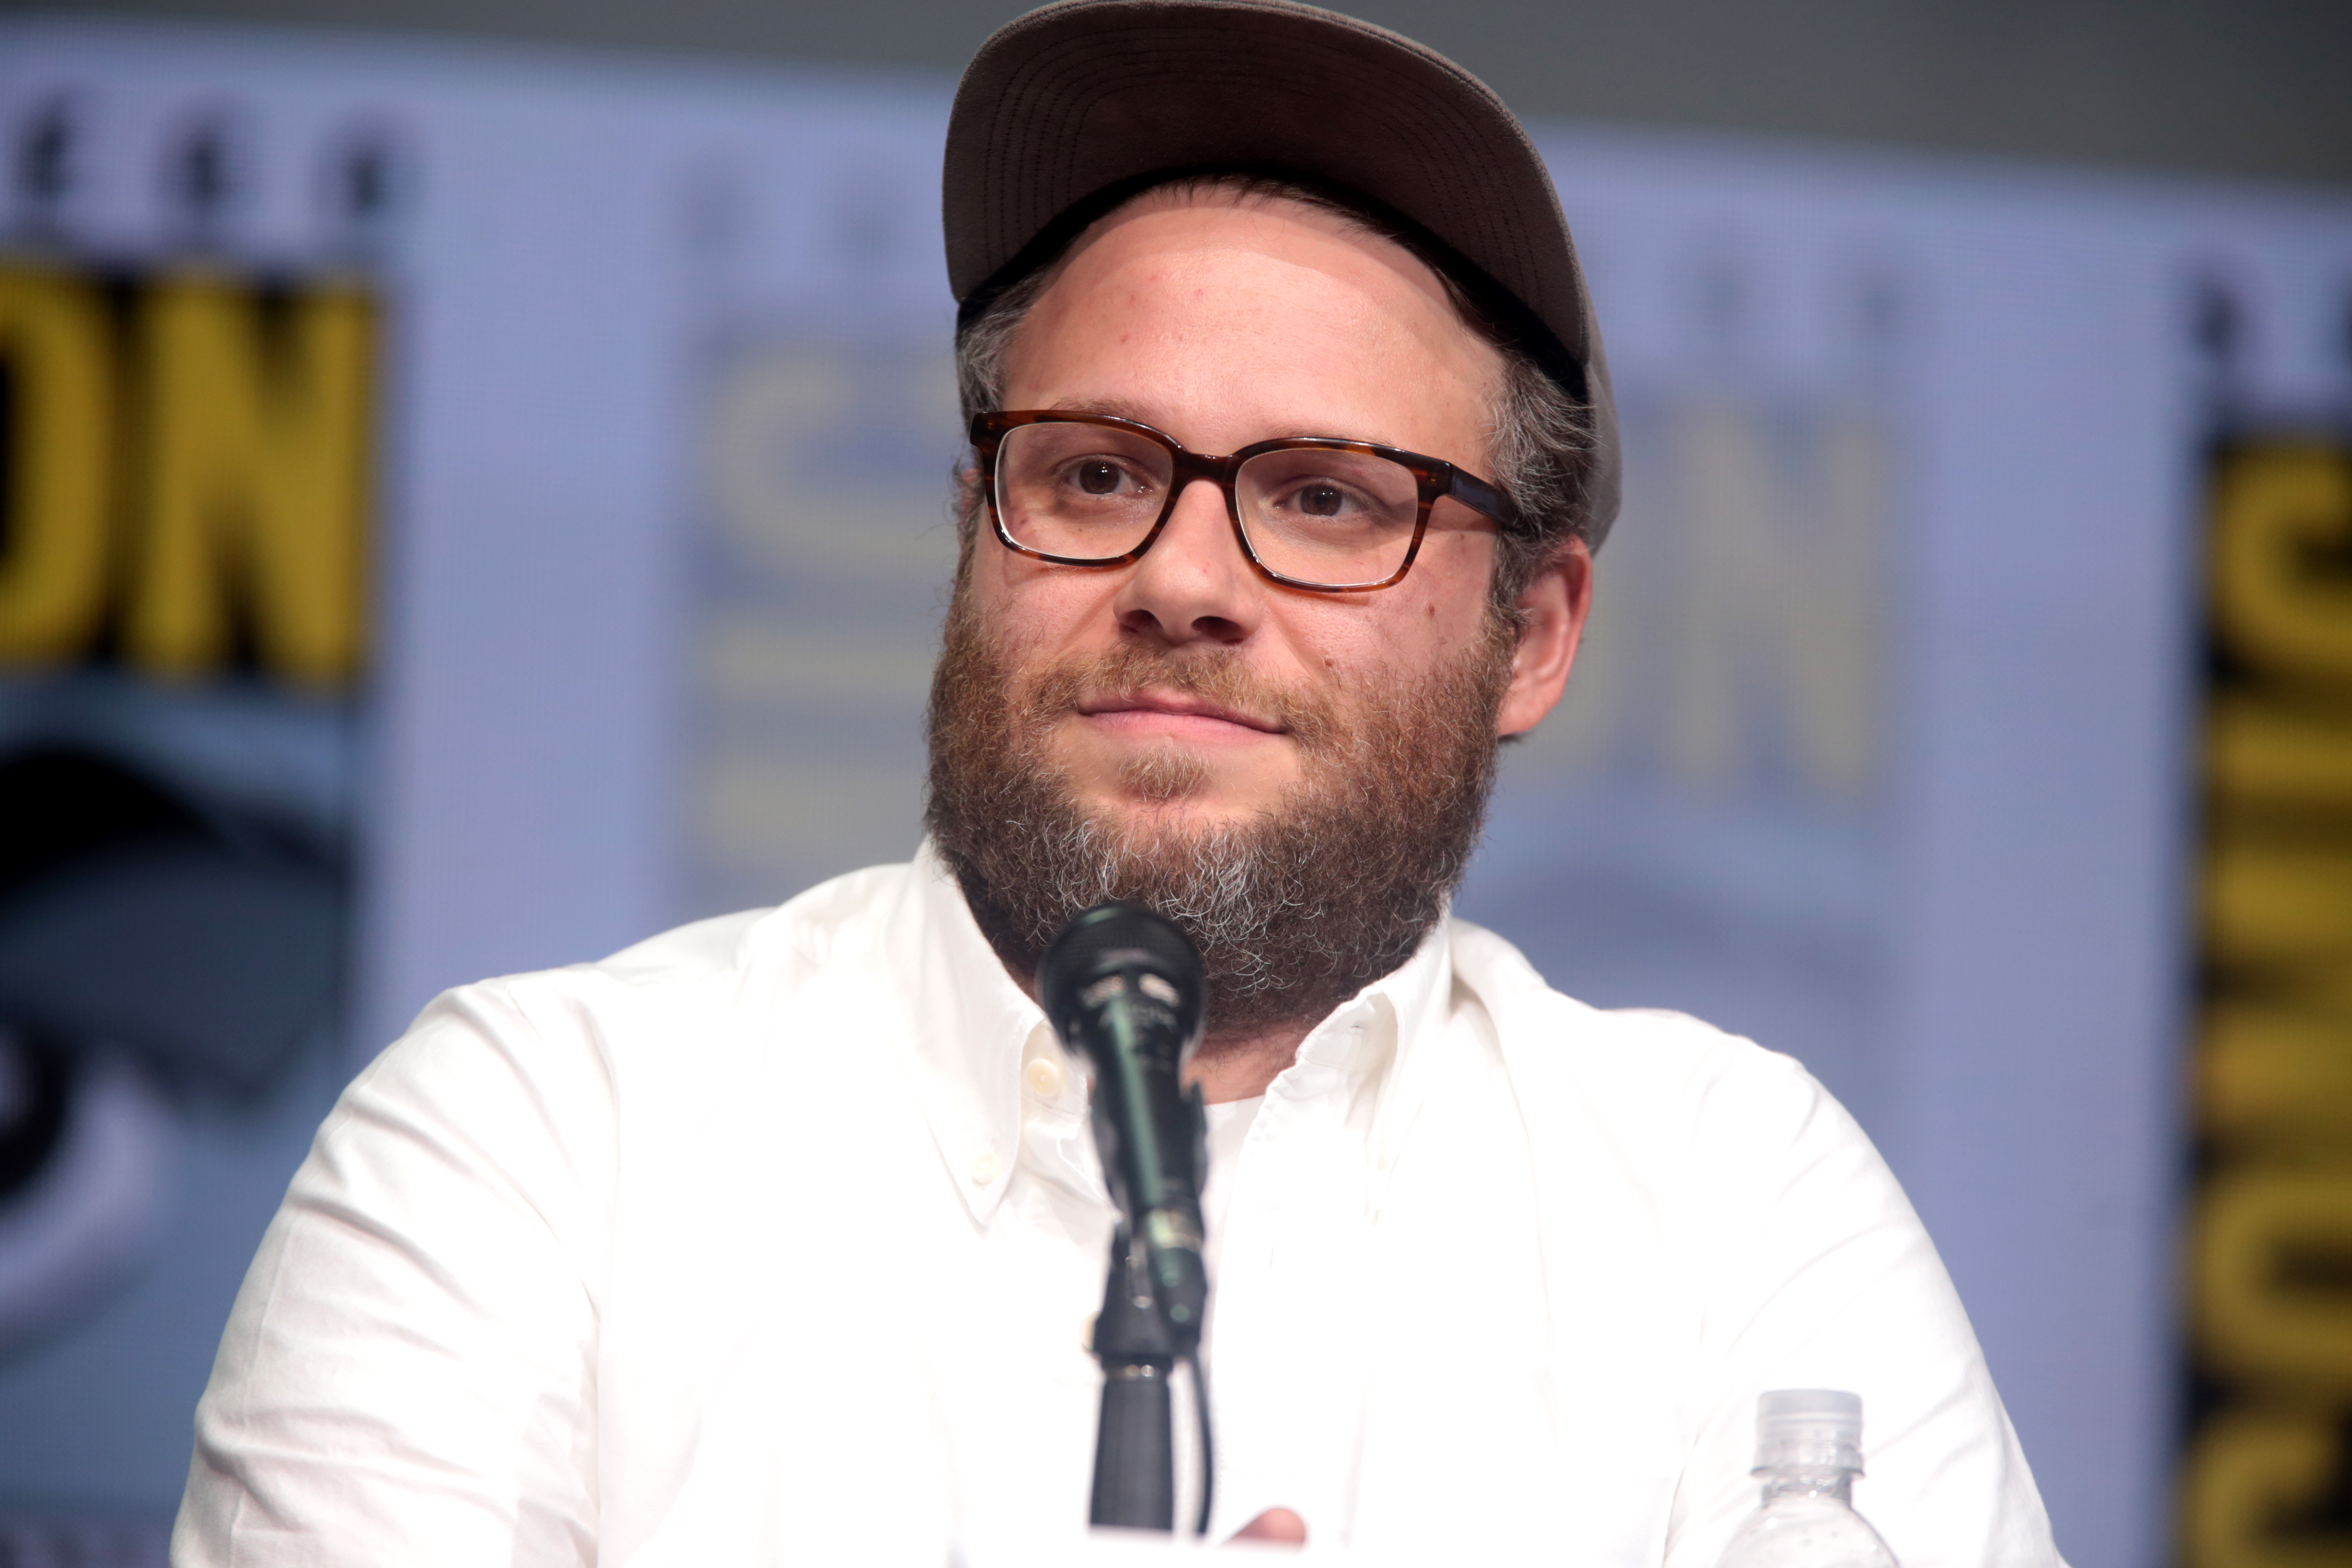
1294 911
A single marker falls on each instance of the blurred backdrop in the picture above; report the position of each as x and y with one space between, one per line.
456 515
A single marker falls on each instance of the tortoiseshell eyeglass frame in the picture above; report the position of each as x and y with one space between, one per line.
1435 476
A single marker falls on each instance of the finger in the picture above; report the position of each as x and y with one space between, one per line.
1278 1525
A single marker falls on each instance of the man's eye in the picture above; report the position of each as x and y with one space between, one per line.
1321 501
1097 477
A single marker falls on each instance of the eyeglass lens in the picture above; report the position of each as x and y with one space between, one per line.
1090 492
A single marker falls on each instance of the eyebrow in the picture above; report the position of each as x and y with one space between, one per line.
1125 411
1098 405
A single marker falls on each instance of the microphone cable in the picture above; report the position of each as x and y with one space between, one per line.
1207 1446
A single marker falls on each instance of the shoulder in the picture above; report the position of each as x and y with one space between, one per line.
666 995
814 929
1653 1129
829 924
1638 1051
1666 1091
530 1082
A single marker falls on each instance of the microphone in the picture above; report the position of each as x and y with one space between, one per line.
1122 989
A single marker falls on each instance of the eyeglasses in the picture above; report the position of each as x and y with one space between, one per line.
1311 511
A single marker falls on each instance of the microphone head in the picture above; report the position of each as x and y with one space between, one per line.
1122 950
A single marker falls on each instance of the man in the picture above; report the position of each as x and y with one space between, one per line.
777 1238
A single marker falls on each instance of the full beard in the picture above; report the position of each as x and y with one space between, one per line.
1295 908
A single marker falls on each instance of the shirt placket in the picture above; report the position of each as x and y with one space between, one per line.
1287 1392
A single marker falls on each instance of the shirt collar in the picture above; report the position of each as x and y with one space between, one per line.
1365 1061
969 1026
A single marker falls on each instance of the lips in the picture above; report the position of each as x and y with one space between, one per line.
1141 709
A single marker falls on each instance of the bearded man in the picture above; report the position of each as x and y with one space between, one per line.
777 1238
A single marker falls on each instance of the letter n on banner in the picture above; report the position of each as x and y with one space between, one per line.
184 472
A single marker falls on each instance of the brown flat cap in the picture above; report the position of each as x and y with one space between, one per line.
1069 108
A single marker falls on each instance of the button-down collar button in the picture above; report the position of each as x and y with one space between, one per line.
1043 1078
984 1167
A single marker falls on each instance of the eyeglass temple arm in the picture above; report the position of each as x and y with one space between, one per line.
1480 496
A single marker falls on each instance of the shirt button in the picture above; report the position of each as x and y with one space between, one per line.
1044 1078
984 1167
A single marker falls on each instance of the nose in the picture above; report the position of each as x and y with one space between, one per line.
1193 584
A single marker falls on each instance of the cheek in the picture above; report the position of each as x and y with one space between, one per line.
1442 603
1381 643
1026 604
1419 624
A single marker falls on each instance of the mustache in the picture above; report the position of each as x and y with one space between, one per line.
1214 676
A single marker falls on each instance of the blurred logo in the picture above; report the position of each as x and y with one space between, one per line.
185 470
186 451
2268 1478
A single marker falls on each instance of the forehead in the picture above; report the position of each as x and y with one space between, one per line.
1244 214
1236 296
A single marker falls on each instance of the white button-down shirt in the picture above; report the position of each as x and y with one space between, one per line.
777 1238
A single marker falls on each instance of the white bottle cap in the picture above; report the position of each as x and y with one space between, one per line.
1809 1428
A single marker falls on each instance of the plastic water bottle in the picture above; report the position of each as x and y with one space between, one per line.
1808 1451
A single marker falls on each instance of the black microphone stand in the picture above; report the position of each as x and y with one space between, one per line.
1135 1454
1122 988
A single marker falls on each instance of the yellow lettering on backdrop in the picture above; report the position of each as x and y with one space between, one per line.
2246 1472
2274 1076
2277 511
1778 591
2269 901
2270 1252
54 347
2278 754
2260 1324
254 484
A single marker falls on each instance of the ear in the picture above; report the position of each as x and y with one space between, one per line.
1554 608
